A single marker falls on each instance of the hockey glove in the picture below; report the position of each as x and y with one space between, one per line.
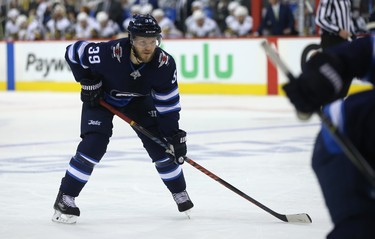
91 91
177 147
320 83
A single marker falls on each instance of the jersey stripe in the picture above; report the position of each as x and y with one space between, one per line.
165 96
163 109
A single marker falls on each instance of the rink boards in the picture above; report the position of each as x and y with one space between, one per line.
205 66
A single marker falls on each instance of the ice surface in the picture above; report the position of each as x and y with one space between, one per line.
253 142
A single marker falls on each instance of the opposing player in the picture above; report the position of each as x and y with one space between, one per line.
140 79
349 196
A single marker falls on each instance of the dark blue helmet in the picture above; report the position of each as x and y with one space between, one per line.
144 26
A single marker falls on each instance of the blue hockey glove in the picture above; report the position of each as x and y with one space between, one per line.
321 82
91 91
177 147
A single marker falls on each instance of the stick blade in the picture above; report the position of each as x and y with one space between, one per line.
299 218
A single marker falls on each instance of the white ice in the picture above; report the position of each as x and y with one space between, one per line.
254 143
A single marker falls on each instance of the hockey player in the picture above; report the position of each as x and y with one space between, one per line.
350 198
140 79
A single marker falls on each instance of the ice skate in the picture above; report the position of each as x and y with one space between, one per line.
66 210
183 201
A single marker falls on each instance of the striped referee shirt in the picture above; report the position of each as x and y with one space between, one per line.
335 15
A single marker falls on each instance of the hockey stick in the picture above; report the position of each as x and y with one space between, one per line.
301 218
344 142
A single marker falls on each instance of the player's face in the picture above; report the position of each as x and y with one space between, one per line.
145 47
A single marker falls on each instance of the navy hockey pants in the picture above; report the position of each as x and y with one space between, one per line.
96 130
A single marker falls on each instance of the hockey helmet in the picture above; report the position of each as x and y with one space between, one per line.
144 26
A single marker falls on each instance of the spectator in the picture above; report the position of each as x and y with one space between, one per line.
113 8
195 6
11 28
278 20
221 12
90 14
41 10
59 24
146 9
168 29
202 26
230 17
22 25
106 27
241 25
35 29
83 28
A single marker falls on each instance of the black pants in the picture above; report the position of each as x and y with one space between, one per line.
328 40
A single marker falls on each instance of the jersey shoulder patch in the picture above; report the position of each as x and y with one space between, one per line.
117 51
164 59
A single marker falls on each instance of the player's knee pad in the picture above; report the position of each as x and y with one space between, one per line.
93 145
154 150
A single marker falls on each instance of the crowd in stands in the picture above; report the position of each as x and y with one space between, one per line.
94 19
97 19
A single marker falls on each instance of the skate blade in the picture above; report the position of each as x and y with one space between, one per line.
187 213
64 218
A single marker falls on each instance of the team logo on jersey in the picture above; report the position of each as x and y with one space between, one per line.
163 59
117 52
94 122
135 74
124 94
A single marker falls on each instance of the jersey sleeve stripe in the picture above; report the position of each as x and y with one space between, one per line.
163 109
166 96
71 54
80 51
76 50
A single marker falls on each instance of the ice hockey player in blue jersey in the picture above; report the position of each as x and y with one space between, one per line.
325 79
140 79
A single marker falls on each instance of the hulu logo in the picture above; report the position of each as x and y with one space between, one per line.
205 62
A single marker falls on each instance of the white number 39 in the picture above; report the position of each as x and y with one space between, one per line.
94 58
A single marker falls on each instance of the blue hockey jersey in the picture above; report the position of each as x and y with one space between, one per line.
122 80
355 116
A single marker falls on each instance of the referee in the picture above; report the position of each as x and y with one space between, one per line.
335 20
